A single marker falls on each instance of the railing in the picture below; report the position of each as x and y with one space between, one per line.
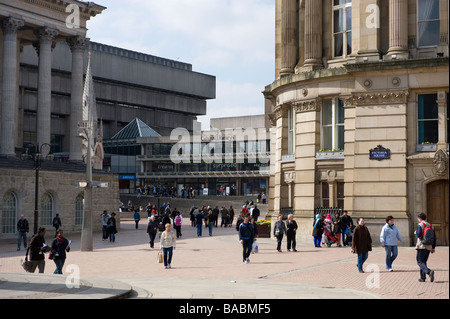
323 211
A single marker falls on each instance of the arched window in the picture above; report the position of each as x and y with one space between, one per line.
9 214
46 211
79 207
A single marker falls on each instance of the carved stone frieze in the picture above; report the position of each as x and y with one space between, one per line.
307 105
380 97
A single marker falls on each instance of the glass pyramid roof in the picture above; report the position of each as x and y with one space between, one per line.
134 129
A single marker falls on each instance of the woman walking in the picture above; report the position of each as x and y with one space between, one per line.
388 238
362 243
291 233
59 248
168 244
318 230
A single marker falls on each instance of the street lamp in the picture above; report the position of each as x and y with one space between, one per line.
37 154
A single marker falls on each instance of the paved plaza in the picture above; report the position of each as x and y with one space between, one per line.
211 267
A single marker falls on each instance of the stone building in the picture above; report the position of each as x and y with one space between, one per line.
43 54
359 112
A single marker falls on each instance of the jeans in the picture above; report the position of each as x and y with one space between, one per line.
317 241
391 254
199 229
59 265
211 225
246 248
20 236
361 259
167 252
422 258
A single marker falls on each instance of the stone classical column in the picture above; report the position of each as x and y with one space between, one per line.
398 29
10 27
313 35
78 47
289 37
44 50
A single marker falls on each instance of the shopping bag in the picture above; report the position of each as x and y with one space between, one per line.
160 257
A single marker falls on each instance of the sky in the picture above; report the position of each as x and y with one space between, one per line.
233 40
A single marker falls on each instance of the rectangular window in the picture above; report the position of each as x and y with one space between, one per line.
428 122
342 28
291 131
333 119
428 23
325 195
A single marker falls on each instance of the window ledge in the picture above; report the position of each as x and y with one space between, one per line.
330 155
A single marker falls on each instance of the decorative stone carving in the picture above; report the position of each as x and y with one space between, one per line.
11 25
307 106
289 177
368 83
396 81
384 97
281 111
77 43
440 162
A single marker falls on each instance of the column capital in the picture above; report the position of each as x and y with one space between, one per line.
78 43
12 25
46 34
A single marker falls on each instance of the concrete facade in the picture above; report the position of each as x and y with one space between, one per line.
331 106
43 54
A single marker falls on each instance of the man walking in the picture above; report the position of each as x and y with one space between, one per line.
424 250
22 231
246 238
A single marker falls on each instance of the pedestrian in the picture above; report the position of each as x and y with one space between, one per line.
318 230
178 221
112 230
58 251
256 213
152 229
105 217
246 238
231 215
37 249
328 237
362 243
225 217
199 223
337 228
388 239
56 223
168 244
215 213
279 230
291 232
424 250
210 221
23 229
347 225
137 217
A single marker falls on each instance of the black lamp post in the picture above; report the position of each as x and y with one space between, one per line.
37 154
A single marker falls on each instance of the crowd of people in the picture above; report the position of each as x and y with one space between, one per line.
327 230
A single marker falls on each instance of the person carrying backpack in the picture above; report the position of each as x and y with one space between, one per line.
426 243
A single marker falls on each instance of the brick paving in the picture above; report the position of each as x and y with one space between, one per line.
211 267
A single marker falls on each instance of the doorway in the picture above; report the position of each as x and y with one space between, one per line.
438 210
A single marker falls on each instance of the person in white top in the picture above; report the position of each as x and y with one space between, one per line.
168 245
